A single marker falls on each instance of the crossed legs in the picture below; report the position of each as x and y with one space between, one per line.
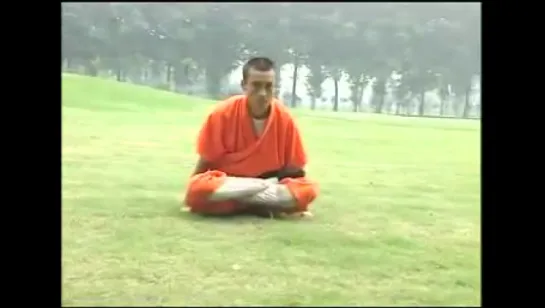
213 192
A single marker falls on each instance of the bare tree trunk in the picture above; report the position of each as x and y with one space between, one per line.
467 105
380 105
408 104
169 73
144 76
398 107
293 103
336 97
380 95
442 107
213 82
360 98
422 105
357 93
277 82
118 73
355 98
91 69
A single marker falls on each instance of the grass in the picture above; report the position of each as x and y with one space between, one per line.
397 221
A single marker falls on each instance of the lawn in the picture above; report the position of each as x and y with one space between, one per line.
397 221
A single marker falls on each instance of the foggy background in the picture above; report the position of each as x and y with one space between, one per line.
419 59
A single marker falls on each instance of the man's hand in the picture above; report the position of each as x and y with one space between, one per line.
237 188
275 196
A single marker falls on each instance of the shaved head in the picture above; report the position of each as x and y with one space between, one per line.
261 64
258 78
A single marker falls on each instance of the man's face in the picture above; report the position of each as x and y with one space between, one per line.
259 86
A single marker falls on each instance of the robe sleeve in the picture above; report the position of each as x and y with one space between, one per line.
302 189
296 156
209 141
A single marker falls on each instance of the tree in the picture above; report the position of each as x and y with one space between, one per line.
84 35
314 81
402 94
433 47
220 46
255 21
464 61
357 50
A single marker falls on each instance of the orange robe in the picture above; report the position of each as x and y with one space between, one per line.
227 140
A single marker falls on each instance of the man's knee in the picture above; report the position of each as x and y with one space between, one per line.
206 183
202 186
303 191
305 198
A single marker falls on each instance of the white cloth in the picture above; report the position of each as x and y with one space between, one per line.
273 195
259 126
236 188
254 191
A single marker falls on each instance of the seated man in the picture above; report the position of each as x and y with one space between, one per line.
251 155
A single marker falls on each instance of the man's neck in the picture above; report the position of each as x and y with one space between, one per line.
259 116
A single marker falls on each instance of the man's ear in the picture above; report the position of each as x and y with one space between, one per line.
243 85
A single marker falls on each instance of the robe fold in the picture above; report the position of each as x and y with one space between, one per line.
229 142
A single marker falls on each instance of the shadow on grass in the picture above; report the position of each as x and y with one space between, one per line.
235 218
226 219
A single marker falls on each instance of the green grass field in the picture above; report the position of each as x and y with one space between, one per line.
397 221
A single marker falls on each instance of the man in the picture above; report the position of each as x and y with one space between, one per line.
251 155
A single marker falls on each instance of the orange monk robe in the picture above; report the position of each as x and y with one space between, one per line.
228 140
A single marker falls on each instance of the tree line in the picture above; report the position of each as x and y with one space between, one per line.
403 51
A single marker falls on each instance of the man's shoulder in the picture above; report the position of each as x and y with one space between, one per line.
283 110
228 104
